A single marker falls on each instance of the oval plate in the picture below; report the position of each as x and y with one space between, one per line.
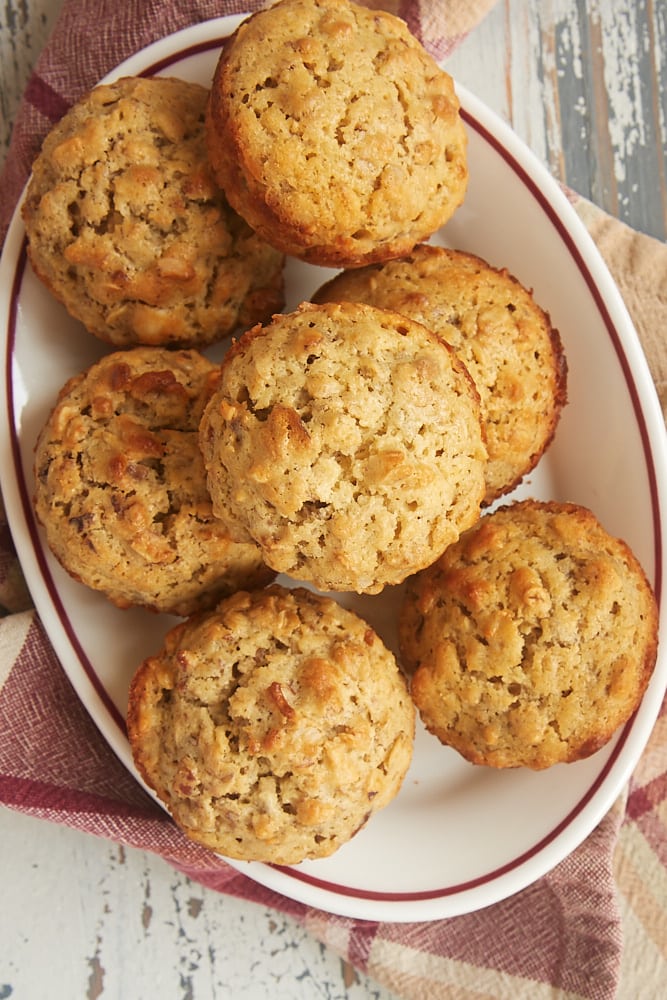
457 837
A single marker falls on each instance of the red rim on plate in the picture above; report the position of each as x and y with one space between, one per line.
312 883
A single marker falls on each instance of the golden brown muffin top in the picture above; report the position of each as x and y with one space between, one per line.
121 490
532 639
345 440
273 727
506 341
128 228
334 133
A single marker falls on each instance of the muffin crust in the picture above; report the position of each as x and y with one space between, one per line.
273 727
532 639
334 133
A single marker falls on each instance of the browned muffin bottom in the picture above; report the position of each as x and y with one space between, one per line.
127 227
346 441
120 486
504 338
532 639
333 132
273 727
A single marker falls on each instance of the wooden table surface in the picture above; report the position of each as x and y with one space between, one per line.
584 83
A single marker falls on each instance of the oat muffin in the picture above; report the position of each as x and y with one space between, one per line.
120 486
333 132
127 227
273 727
346 441
496 327
532 639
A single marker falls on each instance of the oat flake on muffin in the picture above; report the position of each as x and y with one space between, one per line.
346 441
272 727
127 227
532 639
334 133
120 486
504 338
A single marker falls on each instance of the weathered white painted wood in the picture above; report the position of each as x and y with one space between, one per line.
584 83
83 918
25 26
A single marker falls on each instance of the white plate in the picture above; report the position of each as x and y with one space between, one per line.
457 837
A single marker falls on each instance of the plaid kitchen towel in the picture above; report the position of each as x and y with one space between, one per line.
605 905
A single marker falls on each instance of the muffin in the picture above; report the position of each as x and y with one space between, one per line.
496 327
346 442
334 134
120 487
127 227
532 639
272 727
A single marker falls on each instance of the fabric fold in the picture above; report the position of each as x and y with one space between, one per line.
638 265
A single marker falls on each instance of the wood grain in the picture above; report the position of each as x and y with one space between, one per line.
584 83
25 26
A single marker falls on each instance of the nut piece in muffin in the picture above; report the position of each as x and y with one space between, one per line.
273 727
346 441
334 133
506 341
128 229
532 639
120 486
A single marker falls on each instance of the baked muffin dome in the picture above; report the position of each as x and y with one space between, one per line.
532 639
273 727
504 338
120 486
127 227
345 440
334 133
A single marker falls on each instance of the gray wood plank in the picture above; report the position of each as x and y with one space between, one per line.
584 83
